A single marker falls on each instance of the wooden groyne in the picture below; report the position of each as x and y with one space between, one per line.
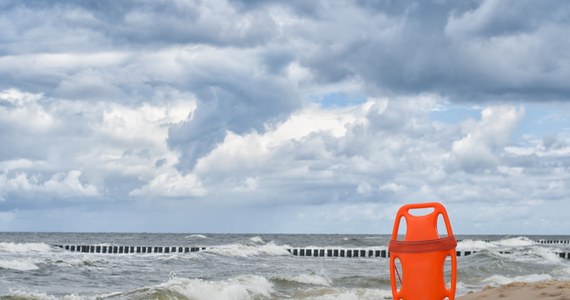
302 252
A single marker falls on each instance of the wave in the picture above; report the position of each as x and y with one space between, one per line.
496 280
521 255
19 265
196 236
256 239
332 293
562 272
476 245
515 242
23 295
24 247
240 250
311 279
539 255
243 287
86 261
237 288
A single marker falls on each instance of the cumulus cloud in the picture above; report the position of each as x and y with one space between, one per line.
171 184
479 147
109 142
63 185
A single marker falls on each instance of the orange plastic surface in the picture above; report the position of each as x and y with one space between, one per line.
422 255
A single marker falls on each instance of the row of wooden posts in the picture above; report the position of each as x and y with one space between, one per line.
307 252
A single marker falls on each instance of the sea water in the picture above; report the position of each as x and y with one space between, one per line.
247 266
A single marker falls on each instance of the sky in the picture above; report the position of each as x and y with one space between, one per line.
283 116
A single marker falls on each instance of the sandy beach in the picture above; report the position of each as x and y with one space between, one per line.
553 289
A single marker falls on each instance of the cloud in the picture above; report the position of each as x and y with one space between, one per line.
116 147
363 158
63 185
331 109
478 148
467 53
239 59
87 85
171 184
232 97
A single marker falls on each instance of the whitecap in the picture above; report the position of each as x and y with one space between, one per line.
314 279
196 236
520 241
18 294
24 247
502 280
327 293
240 287
474 245
256 239
240 250
20 265
537 255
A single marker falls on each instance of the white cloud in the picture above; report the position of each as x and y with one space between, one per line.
69 185
59 185
392 187
171 184
16 164
24 111
479 147
105 139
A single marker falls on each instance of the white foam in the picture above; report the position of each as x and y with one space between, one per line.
30 295
462 288
537 255
240 250
474 245
256 239
502 280
546 255
197 236
477 245
83 261
24 247
562 272
314 279
241 287
515 242
20 265
41 296
349 294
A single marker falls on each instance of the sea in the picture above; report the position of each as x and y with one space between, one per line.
249 266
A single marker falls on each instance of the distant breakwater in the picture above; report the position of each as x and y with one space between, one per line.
298 251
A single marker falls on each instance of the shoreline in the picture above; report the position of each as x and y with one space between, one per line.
549 289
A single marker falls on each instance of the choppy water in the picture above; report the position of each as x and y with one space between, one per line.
245 266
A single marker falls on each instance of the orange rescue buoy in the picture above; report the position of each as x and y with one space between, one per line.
422 255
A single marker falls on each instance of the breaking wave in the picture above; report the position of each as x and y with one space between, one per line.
240 250
19 265
237 288
24 247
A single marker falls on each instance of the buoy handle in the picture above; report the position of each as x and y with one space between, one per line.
404 211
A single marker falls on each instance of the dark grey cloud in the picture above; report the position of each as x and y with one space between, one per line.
239 105
484 50
470 50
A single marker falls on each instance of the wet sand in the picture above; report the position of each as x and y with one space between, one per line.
553 289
